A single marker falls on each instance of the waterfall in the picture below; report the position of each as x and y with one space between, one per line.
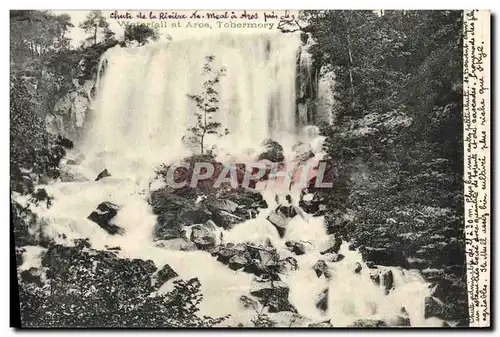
141 114
143 92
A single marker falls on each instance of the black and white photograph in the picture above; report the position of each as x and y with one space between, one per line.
249 169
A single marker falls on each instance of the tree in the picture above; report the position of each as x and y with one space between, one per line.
88 288
141 33
206 105
36 33
396 142
93 22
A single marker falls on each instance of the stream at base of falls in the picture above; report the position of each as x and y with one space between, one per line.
140 115
352 292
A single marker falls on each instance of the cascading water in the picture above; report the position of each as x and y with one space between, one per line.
141 113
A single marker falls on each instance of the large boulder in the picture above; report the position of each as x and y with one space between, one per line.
274 295
103 215
272 151
103 174
387 281
164 274
321 269
280 222
202 237
31 275
369 323
225 219
69 115
302 151
258 260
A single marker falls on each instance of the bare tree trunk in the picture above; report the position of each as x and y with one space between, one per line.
95 35
351 63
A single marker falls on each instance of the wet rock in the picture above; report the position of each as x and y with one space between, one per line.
279 221
117 248
274 295
289 264
249 303
332 257
67 118
103 174
225 253
302 151
65 142
322 300
225 219
19 256
67 174
375 276
103 215
388 281
400 320
321 268
296 247
325 324
268 257
255 267
181 244
358 268
272 151
433 307
287 211
369 323
224 204
210 225
31 276
202 237
164 274
238 261
371 264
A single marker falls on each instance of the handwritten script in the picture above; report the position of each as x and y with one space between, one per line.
477 145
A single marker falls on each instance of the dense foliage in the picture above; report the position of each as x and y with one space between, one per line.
80 287
141 33
396 141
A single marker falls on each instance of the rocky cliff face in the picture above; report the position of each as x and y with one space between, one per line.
314 95
68 117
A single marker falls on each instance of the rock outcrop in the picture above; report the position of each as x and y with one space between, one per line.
103 215
69 115
274 295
